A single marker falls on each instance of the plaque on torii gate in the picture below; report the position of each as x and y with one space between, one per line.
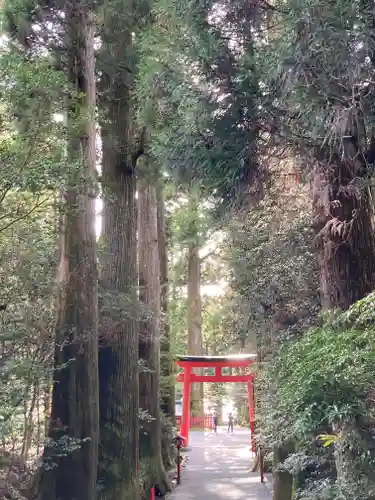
187 377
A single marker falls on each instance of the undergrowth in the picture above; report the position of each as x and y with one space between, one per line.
319 395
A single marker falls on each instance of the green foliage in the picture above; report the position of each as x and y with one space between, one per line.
218 337
27 263
202 119
31 134
333 371
187 223
33 170
321 398
318 63
273 269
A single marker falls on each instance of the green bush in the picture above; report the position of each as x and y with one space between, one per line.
320 396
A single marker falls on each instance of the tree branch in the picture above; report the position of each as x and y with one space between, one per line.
26 214
205 257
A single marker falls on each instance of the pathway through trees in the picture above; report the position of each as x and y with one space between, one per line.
218 468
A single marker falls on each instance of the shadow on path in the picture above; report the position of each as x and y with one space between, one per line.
218 468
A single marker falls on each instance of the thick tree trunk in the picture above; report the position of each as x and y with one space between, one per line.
343 223
73 428
283 481
149 339
166 361
167 380
118 349
118 352
195 344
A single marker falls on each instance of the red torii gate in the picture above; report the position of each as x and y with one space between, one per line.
218 363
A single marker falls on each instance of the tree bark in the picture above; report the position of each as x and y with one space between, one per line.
167 380
283 481
73 428
166 365
344 225
195 344
29 419
149 339
343 218
118 348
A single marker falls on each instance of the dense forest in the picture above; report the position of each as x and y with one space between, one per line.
183 176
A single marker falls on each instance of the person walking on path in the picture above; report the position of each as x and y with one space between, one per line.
230 423
215 419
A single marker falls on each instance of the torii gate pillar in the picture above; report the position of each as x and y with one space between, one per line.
185 417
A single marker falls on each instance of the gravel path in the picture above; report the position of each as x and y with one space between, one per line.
218 468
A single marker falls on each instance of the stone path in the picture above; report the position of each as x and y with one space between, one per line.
218 468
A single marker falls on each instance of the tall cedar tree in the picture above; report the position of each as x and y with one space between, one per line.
166 362
194 299
334 133
118 349
149 339
75 414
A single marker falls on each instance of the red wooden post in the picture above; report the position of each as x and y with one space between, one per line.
250 389
152 494
185 418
